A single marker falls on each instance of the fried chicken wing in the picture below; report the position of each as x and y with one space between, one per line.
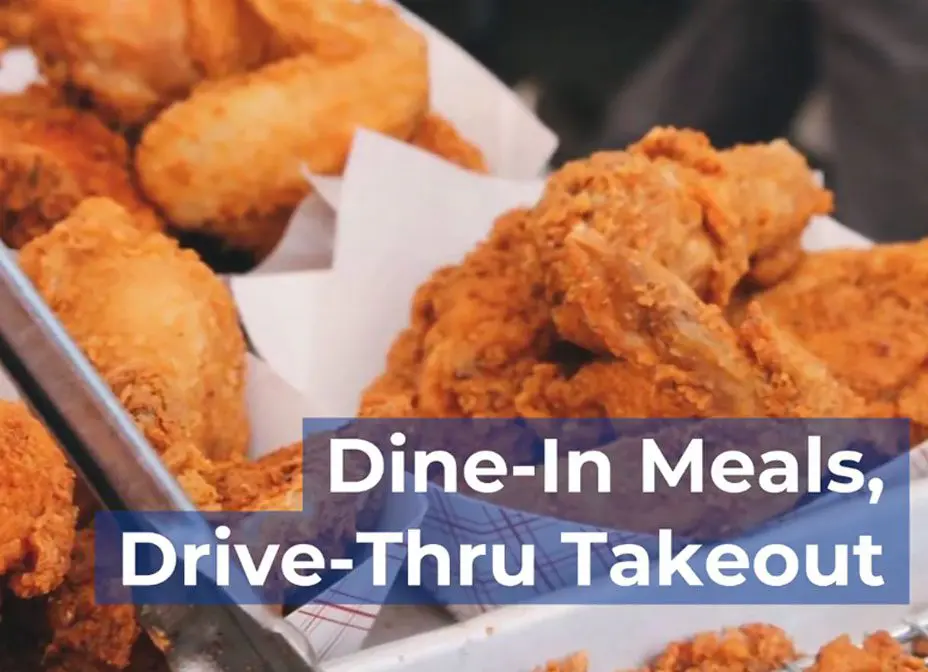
706 215
435 134
861 312
226 160
133 59
160 327
37 513
51 158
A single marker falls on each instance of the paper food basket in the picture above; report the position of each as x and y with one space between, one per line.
524 638
403 214
338 620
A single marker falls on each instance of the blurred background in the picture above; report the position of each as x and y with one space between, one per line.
846 81
570 60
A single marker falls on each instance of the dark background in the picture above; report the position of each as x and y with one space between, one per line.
575 54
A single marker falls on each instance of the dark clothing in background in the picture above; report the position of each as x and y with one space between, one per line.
740 70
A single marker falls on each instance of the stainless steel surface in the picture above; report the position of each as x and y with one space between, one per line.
111 454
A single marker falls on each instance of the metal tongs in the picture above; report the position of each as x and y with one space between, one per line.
113 457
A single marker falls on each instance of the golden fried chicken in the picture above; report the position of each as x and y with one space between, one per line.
859 311
37 513
673 357
706 215
878 653
435 134
477 330
157 323
750 648
86 635
51 158
16 21
130 60
225 161
764 648
646 315
274 480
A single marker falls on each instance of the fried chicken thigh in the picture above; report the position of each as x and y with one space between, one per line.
159 326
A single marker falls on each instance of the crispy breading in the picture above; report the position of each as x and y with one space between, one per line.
764 648
706 215
226 160
87 635
37 513
878 653
477 332
859 311
156 322
437 135
130 60
51 158
750 648
644 313
16 21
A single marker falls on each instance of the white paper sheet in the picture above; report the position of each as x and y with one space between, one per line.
403 214
18 69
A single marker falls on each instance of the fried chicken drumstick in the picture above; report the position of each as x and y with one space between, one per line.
159 326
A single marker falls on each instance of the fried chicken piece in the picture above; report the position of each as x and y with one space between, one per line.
130 60
577 662
275 482
51 158
879 653
226 160
647 315
87 636
750 648
275 479
436 134
859 311
16 21
476 333
156 322
769 190
701 213
37 513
